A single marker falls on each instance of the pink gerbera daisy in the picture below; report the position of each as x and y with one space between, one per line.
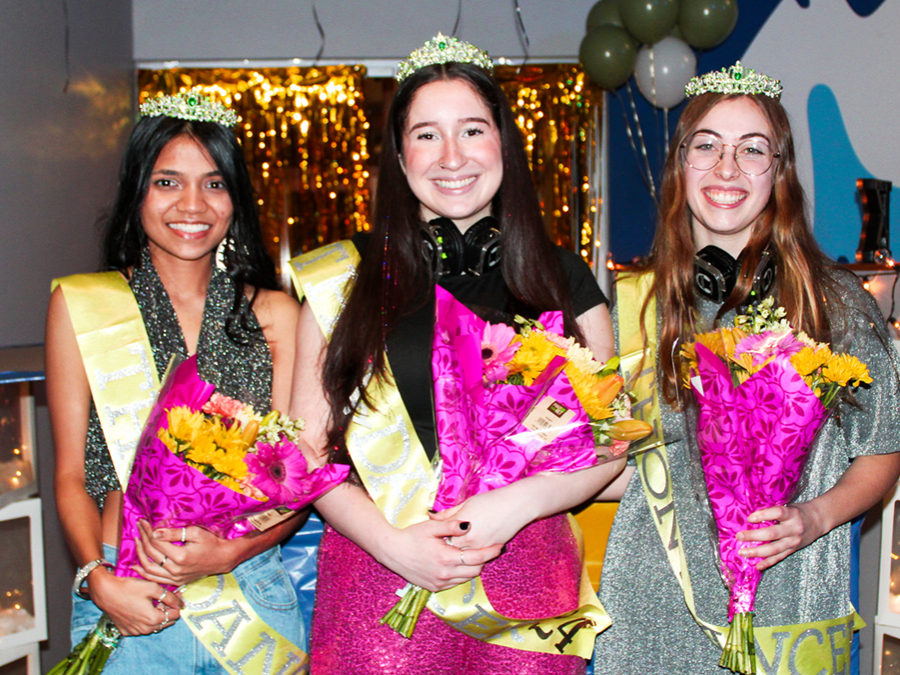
497 349
279 471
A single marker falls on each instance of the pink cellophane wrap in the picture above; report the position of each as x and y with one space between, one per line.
169 493
483 444
753 440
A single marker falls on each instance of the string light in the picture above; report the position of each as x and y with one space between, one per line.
306 142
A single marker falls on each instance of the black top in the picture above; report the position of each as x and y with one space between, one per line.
409 344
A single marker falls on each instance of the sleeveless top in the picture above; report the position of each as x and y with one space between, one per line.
241 368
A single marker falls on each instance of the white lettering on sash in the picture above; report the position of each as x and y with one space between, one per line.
266 642
370 438
792 658
130 411
395 482
142 368
472 625
211 600
325 252
239 617
772 667
838 649
294 660
332 286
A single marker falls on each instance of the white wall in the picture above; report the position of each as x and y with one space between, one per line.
59 155
354 29
60 149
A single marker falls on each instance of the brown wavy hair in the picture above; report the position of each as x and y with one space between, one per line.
782 227
395 278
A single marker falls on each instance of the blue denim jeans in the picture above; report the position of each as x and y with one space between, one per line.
175 650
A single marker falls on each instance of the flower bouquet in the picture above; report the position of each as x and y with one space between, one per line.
763 391
510 405
210 461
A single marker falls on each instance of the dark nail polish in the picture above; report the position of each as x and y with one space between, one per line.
432 511
464 525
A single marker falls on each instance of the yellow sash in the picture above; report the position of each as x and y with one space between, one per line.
117 357
119 362
403 487
815 648
220 617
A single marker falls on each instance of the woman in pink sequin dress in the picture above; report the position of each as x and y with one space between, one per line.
454 180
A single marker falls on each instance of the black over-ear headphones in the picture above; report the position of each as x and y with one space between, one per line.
716 273
452 253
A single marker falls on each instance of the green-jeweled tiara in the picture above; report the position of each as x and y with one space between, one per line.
734 80
189 105
442 49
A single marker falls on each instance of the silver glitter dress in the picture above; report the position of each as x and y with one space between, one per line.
653 632
240 368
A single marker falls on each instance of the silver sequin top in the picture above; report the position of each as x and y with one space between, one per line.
653 632
241 370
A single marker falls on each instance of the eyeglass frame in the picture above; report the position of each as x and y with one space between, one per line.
684 151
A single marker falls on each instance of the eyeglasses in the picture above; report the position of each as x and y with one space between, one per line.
753 157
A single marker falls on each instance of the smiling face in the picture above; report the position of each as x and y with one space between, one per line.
187 209
452 154
725 203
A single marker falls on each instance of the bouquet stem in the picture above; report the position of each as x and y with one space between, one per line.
739 654
403 616
90 655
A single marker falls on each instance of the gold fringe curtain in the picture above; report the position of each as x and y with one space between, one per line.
560 114
304 134
305 137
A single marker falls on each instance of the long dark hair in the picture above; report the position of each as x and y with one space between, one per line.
248 263
394 272
782 227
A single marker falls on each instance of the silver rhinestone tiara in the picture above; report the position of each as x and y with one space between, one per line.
442 49
189 105
734 80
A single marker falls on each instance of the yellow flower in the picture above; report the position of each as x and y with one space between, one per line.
593 392
808 360
231 465
533 356
843 368
185 424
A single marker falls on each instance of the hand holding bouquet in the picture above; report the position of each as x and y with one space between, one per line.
510 405
763 391
209 461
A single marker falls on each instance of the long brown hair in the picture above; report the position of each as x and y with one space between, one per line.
394 276
782 227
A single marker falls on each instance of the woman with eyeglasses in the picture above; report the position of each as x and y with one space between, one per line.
733 229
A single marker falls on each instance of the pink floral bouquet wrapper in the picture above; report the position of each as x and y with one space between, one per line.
753 440
483 441
167 492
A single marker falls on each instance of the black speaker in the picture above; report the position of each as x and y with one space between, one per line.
716 273
874 240
452 253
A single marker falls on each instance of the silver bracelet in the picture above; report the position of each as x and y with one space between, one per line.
83 572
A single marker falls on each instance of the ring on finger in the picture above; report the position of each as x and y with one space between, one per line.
462 558
183 534
163 561
164 594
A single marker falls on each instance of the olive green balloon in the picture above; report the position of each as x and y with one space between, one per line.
648 20
605 12
608 54
706 23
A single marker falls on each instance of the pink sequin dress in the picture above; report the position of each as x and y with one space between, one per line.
537 576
